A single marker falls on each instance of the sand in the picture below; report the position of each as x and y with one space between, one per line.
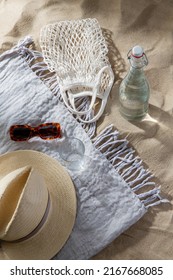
125 23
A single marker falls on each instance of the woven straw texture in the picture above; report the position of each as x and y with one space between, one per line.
62 213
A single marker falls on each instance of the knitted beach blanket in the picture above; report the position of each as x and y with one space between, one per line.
113 192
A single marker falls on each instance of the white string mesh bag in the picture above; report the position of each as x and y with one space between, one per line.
76 50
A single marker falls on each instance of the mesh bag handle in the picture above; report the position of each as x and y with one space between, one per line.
76 50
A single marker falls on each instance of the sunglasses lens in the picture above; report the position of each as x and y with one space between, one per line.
49 131
20 133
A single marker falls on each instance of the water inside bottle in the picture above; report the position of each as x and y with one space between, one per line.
134 101
134 95
134 89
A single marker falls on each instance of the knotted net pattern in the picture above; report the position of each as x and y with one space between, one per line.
76 50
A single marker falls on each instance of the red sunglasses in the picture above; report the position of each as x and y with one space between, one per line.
46 131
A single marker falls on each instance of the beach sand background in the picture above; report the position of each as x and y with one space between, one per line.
125 23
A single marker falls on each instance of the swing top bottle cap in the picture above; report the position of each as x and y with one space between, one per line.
137 51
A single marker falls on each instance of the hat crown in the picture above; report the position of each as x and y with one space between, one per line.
23 202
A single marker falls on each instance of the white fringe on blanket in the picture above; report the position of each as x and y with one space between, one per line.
129 166
108 142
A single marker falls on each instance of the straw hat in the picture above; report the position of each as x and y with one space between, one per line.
37 206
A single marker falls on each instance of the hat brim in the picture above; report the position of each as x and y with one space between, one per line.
61 217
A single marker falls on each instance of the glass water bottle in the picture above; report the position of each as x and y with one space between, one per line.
134 90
